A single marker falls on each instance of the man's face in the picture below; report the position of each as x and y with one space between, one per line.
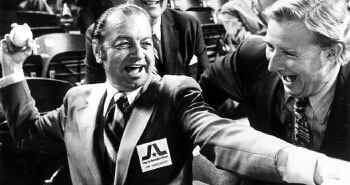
301 64
128 51
155 8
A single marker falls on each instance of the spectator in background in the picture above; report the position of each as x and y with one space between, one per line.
240 21
90 10
36 5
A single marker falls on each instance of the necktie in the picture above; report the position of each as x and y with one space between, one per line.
157 53
115 124
302 132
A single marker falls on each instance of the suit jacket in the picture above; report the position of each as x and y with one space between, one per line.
244 77
180 116
181 38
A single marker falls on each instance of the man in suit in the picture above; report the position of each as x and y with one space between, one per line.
179 37
140 128
301 57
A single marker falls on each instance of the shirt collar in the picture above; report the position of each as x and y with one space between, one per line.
113 92
156 29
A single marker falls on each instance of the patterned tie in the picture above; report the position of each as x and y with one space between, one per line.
115 125
157 53
302 132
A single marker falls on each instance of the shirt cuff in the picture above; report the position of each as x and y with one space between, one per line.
11 79
297 165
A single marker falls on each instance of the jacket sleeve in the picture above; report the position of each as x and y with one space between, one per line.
25 123
230 145
232 75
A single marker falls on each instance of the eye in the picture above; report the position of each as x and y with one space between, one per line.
289 53
146 44
122 44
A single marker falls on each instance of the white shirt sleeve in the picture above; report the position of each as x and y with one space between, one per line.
11 79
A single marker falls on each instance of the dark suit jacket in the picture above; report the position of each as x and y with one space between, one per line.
182 38
179 115
244 77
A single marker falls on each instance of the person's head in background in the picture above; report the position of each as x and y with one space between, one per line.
239 20
305 43
155 8
259 6
122 42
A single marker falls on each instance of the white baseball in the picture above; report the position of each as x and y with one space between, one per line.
20 34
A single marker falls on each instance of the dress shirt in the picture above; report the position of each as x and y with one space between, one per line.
113 92
156 29
317 111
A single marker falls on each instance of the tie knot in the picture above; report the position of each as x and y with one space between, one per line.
123 103
301 104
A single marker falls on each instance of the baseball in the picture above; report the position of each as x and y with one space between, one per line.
20 34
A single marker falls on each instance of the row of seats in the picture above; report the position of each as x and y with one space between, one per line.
60 56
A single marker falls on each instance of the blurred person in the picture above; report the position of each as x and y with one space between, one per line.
140 128
177 38
239 21
294 82
36 5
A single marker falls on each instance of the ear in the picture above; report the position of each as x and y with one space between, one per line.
335 52
98 51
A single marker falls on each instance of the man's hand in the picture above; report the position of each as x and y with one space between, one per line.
11 56
330 171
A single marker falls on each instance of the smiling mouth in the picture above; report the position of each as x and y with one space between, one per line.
150 3
134 69
289 78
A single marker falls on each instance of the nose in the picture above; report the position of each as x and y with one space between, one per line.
138 51
275 61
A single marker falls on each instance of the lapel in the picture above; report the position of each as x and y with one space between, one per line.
169 40
336 142
135 127
81 136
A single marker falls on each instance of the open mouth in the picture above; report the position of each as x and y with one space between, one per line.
289 78
134 69
150 3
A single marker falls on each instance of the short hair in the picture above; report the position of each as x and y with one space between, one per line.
324 18
124 10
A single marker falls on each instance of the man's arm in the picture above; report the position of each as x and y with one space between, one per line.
235 146
23 118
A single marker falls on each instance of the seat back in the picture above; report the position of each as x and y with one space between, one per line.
63 55
37 18
48 93
214 35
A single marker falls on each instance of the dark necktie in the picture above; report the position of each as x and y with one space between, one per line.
115 128
302 132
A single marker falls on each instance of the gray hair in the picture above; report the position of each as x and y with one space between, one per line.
324 18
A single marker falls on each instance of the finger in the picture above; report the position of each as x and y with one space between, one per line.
32 44
10 47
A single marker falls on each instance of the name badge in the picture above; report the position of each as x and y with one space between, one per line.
154 155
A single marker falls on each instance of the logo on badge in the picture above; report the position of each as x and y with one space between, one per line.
154 155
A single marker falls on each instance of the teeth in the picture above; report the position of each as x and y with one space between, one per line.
134 69
150 2
289 78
